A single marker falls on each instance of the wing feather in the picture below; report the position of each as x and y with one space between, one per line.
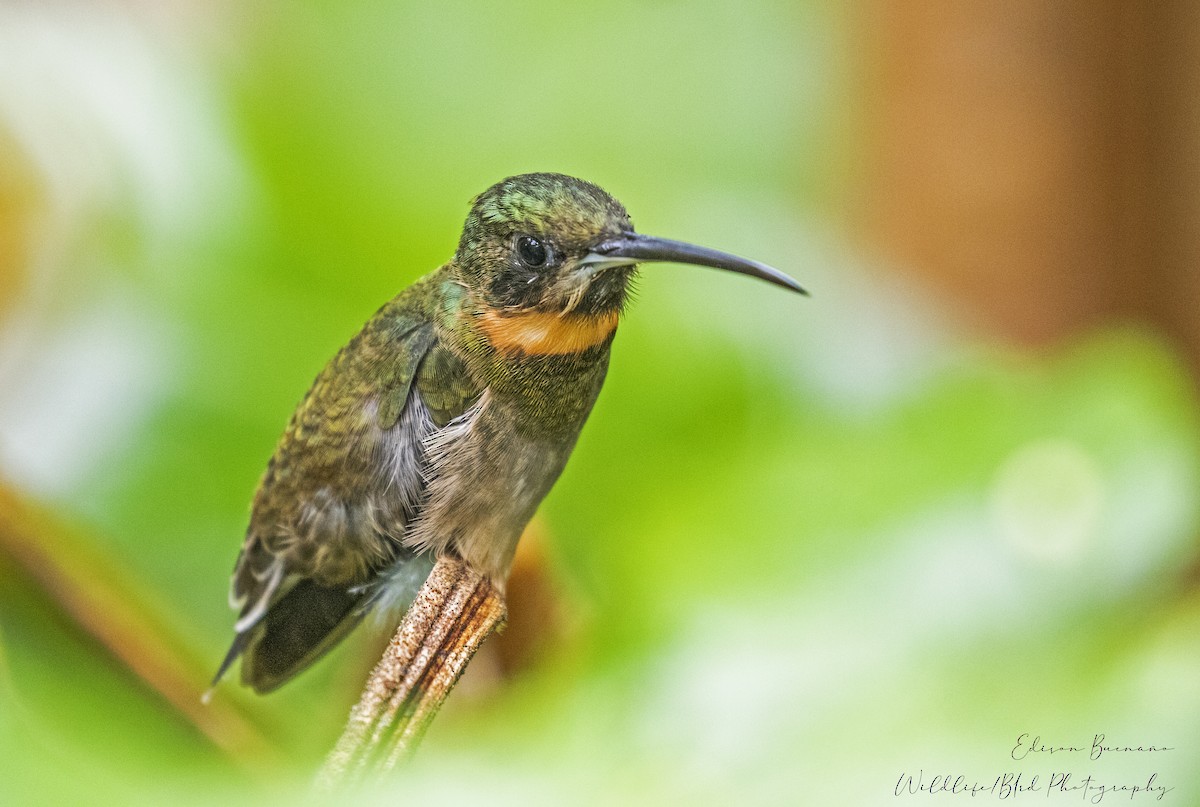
330 512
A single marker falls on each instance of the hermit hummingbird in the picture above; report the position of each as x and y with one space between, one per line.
439 428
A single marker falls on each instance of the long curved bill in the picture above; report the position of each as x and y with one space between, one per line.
631 248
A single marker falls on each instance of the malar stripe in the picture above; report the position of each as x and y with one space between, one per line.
537 333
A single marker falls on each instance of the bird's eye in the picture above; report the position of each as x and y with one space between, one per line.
532 252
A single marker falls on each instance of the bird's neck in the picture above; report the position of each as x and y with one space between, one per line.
540 333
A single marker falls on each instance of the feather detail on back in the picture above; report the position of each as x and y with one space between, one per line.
334 506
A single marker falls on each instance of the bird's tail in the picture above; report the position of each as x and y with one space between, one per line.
236 649
297 630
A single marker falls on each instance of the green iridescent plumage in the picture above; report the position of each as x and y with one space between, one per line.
440 427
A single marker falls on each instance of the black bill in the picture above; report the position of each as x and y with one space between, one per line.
636 248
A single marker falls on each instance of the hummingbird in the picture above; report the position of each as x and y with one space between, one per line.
440 427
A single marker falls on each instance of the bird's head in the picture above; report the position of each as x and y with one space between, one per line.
525 243
549 258
555 244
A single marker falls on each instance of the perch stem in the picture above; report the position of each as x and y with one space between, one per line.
455 610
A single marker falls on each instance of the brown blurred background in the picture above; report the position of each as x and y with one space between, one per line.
1037 161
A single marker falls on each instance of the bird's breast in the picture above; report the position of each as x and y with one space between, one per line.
486 480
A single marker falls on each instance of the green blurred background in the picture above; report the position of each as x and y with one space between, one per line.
804 547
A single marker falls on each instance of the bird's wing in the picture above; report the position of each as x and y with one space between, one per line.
344 482
355 438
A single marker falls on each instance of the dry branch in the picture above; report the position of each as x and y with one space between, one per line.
455 610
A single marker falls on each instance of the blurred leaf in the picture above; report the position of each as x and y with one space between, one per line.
45 562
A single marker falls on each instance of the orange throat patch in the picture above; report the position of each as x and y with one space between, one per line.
537 333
